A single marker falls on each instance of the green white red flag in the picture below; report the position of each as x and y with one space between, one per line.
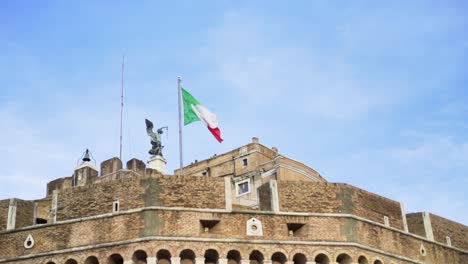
194 111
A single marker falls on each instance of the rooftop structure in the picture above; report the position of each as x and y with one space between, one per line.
250 205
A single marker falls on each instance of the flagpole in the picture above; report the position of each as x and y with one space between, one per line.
179 92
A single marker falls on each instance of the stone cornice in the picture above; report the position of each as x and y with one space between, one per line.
203 210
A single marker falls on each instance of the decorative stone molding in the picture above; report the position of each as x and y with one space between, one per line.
254 228
274 196
428 226
11 220
29 242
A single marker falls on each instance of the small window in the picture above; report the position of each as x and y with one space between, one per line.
386 221
204 173
115 206
40 221
245 162
243 187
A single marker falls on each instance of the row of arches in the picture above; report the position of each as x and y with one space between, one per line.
211 256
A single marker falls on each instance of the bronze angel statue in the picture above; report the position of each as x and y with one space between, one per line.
157 147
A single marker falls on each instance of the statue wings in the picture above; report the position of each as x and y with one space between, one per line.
149 124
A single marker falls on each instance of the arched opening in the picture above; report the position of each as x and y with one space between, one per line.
377 261
278 258
256 257
234 257
211 256
115 259
363 260
139 257
187 257
344 259
322 259
299 259
163 256
71 261
91 260
50 262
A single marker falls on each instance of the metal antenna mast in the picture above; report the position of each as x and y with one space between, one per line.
179 93
121 105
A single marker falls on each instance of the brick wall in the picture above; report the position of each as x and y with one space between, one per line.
416 224
231 225
136 192
319 197
43 209
264 195
24 213
4 205
57 184
442 227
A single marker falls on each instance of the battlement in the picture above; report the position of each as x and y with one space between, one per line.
214 200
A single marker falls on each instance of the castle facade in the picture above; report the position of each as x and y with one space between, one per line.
251 205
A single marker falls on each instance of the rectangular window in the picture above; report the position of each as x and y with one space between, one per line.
115 206
243 187
244 162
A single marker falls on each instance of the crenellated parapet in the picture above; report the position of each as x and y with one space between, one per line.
252 199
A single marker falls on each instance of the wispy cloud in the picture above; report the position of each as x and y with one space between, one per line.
267 71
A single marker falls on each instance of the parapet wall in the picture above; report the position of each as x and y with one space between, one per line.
133 192
416 224
24 213
321 197
443 228
4 205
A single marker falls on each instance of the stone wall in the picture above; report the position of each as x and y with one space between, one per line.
4 205
57 184
292 170
173 224
416 224
442 228
319 197
24 213
231 162
43 209
138 192
264 196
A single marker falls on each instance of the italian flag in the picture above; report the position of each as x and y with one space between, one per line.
194 111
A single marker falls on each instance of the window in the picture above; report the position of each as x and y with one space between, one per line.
243 187
244 162
115 206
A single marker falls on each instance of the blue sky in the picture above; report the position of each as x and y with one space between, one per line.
368 93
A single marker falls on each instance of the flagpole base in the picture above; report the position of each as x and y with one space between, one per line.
158 163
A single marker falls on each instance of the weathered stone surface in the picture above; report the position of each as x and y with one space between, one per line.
443 228
321 197
165 217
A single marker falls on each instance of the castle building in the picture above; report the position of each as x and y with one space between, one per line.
251 205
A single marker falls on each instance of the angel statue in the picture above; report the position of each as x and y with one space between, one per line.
156 150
